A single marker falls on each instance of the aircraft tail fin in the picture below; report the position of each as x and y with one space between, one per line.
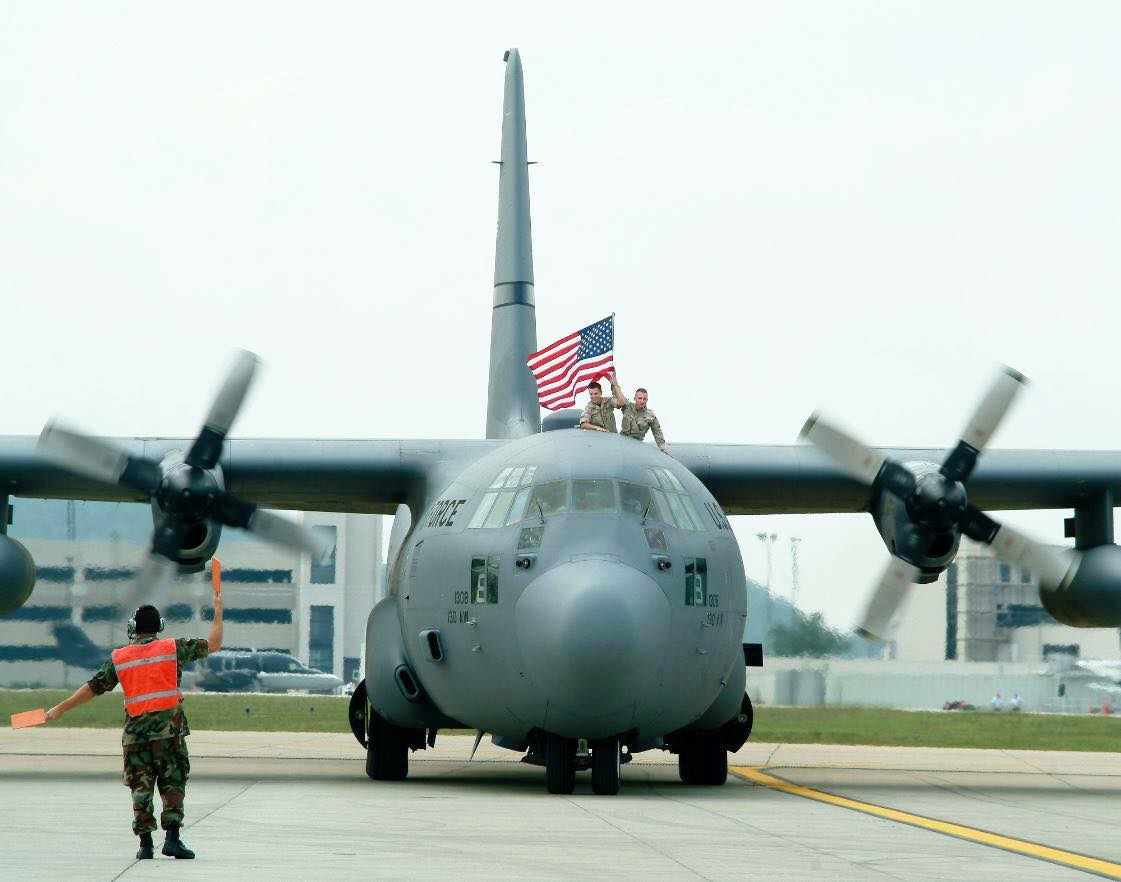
512 407
76 649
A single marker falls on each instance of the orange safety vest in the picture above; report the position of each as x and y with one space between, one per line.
148 673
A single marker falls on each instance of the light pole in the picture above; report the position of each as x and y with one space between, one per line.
794 575
768 540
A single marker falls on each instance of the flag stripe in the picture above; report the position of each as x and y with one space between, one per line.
536 357
566 367
571 376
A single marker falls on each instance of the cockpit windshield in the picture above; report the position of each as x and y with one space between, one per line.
511 499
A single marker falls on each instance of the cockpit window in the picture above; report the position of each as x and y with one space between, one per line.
673 503
529 538
500 504
593 495
548 499
517 510
635 499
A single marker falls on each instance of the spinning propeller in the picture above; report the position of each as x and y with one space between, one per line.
937 504
187 491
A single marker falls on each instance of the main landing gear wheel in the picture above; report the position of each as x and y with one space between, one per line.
387 753
560 764
702 759
606 761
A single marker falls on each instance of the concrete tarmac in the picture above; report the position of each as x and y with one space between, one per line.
299 806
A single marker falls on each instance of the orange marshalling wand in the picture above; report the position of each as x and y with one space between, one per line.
216 574
29 718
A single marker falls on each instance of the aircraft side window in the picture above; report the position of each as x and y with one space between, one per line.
672 479
497 516
678 510
501 479
635 499
547 499
529 539
696 581
482 511
514 478
593 495
517 510
656 539
691 510
484 580
661 509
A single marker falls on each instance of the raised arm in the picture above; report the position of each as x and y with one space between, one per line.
214 640
617 391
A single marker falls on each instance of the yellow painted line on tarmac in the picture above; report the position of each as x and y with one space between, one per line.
1071 859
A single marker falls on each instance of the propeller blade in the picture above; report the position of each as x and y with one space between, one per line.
269 526
1053 567
983 423
895 584
861 460
206 450
97 459
152 580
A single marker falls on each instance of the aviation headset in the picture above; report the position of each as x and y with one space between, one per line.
136 615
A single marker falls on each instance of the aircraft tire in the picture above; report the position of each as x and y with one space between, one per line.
703 759
387 754
606 763
560 764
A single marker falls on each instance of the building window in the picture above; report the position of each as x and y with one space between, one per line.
321 639
1005 573
484 580
696 582
323 570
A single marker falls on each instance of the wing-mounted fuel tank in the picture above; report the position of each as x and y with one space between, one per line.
394 690
929 546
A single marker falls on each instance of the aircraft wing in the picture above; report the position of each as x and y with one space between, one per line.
359 476
798 479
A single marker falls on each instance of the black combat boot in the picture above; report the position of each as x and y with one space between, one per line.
145 851
173 846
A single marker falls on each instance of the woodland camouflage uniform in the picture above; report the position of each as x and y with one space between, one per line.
155 746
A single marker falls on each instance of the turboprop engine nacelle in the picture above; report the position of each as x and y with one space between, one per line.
931 547
1092 598
17 574
187 494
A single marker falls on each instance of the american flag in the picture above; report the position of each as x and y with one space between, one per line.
567 366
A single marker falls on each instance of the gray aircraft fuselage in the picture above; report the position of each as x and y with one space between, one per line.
604 633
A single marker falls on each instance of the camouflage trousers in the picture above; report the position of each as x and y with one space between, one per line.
162 764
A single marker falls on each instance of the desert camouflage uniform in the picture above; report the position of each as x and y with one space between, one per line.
155 746
636 423
602 414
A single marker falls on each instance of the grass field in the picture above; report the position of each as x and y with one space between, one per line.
785 725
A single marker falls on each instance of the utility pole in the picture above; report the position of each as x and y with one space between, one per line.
794 580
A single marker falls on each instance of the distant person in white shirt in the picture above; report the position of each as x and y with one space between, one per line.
997 702
1015 703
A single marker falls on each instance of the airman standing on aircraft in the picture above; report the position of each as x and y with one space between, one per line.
599 413
638 419
154 738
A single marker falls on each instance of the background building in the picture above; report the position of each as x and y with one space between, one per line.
985 610
86 554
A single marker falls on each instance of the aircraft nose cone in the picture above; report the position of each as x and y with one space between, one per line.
593 633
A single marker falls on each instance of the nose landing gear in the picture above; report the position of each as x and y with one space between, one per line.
606 762
560 764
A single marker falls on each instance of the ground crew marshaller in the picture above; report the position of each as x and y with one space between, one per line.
599 413
155 747
638 419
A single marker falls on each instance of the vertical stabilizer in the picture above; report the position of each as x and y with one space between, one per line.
512 408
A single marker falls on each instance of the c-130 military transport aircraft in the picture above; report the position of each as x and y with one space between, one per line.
547 584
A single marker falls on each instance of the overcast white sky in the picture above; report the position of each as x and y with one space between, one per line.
859 205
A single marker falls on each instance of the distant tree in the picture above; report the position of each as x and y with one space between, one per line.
809 636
